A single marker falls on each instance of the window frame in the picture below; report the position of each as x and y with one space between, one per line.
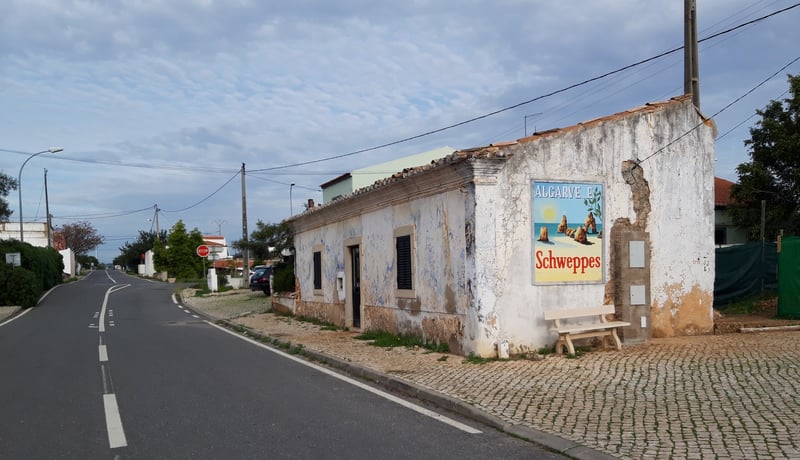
316 268
405 232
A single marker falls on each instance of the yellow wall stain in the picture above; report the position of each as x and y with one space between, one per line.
684 313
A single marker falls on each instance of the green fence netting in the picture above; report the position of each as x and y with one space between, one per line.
789 278
744 271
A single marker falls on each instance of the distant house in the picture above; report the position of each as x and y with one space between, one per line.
725 232
471 249
356 179
218 247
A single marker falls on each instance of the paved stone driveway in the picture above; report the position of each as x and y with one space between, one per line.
725 396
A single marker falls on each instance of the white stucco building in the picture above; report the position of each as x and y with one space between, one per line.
36 233
451 251
349 182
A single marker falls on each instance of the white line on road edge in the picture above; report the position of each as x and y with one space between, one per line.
24 312
363 386
116 435
109 277
103 353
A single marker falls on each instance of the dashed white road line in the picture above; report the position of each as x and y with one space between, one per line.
103 351
116 434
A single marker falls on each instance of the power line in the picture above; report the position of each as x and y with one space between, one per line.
287 184
130 165
520 104
746 120
206 198
720 110
104 215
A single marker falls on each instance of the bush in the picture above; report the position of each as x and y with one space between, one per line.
41 269
26 288
283 278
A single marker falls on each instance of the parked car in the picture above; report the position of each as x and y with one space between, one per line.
259 281
253 271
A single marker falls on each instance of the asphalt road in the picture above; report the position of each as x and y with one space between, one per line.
112 367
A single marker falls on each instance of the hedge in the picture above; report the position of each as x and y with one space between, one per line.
40 270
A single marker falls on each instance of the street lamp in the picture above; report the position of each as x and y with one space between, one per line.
19 186
291 208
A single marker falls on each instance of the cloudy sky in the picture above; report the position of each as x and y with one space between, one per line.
159 102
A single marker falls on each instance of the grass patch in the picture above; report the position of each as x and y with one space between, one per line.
324 325
442 358
472 358
546 350
750 305
389 340
579 351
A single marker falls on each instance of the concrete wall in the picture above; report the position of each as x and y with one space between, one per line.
436 310
671 197
35 232
70 264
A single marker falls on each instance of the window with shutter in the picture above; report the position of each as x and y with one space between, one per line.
404 272
317 270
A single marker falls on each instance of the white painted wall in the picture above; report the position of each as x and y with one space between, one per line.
681 222
70 265
474 249
35 232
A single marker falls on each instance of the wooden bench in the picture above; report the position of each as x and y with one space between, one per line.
594 324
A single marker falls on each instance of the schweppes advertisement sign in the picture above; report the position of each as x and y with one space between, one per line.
567 232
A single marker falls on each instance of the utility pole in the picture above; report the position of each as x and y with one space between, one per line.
691 64
155 219
245 257
47 211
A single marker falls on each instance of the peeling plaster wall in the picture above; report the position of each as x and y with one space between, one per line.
680 222
473 248
438 308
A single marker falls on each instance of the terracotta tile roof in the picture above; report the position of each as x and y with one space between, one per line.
722 192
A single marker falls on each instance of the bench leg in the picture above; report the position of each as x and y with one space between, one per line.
570 346
614 336
564 342
559 345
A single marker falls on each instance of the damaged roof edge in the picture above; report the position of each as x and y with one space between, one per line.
496 150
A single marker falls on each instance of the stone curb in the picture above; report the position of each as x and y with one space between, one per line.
547 440
7 312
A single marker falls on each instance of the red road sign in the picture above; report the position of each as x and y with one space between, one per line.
202 250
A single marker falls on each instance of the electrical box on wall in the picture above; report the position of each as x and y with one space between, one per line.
636 254
638 295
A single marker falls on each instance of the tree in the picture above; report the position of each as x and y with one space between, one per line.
88 261
773 174
81 237
7 184
132 253
178 255
268 241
